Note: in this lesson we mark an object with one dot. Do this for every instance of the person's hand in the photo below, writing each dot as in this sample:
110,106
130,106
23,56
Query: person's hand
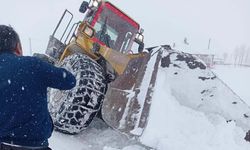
109,78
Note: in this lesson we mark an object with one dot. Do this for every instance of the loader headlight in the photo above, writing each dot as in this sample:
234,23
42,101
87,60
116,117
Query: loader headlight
89,31
95,3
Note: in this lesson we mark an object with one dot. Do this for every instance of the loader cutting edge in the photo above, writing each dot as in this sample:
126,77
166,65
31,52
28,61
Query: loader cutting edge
127,104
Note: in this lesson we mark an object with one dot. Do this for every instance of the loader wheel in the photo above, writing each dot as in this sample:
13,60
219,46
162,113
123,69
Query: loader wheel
73,110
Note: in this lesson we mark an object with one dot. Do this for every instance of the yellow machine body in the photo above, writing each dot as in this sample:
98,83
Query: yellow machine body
84,44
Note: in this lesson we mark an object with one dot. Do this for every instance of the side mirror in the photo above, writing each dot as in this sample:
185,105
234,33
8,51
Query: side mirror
139,40
84,6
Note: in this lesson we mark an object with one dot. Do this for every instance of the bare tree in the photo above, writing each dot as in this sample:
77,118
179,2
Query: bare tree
242,54
236,55
225,56
247,61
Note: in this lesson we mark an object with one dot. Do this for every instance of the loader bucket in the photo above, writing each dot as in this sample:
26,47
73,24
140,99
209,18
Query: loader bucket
128,99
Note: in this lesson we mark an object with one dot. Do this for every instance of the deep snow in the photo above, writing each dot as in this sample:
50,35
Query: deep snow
182,119
237,78
172,125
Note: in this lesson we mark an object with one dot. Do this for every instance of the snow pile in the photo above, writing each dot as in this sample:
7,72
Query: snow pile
193,109
197,87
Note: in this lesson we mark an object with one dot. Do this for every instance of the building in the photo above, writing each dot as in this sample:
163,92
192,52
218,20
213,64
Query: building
208,59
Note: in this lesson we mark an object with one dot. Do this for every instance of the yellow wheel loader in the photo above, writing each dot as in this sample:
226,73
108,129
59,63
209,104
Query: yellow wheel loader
114,77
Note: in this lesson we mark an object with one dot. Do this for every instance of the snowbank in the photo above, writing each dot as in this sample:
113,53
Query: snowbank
193,109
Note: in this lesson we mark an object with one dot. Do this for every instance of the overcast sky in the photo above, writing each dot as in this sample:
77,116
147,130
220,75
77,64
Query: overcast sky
226,22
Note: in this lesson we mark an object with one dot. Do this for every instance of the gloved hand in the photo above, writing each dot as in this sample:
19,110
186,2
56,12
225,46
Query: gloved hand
109,78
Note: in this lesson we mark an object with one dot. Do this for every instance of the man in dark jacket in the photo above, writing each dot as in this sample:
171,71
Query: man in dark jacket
25,122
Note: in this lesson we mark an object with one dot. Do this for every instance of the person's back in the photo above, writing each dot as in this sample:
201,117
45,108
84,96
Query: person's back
24,117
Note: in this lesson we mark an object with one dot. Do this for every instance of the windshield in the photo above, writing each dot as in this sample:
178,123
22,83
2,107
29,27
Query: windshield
115,31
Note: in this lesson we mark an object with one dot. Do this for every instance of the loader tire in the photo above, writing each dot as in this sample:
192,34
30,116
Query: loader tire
73,110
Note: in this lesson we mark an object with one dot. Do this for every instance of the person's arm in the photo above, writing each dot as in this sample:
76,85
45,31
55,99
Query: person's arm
55,77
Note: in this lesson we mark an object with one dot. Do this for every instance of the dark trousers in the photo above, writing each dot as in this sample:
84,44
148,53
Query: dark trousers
10,147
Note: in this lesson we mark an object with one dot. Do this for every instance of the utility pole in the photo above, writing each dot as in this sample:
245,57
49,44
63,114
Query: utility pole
30,46
209,42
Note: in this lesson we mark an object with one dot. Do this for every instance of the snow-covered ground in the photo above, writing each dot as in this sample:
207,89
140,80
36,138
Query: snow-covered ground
172,125
97,137
236,77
